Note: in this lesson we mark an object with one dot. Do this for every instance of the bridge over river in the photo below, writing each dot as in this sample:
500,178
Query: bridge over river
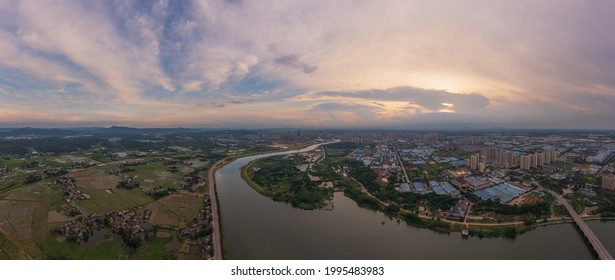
593,240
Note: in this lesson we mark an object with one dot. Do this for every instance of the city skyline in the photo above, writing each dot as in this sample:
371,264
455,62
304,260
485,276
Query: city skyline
346,64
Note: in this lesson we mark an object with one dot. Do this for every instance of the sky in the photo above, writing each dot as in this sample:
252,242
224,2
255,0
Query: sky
326,64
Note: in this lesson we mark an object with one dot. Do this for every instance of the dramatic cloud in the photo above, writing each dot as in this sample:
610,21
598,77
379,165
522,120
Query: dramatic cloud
293,61
347,63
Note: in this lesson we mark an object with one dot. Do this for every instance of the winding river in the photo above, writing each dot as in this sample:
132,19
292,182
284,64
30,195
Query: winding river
256,227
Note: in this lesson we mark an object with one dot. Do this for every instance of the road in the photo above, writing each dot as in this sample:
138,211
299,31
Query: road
214,209
401,164
465,219
602,252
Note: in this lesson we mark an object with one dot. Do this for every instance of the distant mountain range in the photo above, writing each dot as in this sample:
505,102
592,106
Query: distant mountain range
114,130
122,130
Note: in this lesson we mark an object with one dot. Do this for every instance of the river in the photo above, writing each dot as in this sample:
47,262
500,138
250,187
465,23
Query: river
256,227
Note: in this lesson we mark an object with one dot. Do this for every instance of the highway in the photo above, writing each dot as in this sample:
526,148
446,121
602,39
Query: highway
602,252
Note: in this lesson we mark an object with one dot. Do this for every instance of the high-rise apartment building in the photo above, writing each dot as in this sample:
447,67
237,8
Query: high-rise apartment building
524,162
541,159
474,162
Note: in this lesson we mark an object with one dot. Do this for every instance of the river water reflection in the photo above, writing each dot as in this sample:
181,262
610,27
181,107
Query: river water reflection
256,227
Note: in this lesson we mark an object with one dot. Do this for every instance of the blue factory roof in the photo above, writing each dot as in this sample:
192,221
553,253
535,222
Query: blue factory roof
448,187
438,190
505,192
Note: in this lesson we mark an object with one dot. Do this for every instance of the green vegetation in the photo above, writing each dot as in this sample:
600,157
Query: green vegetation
11,163
259,149
161,192
54,248
362,199
605,200
560,210
127,184
280,179
433,224
539,209
577,202
345,147
31,178
552,185
497,231
154,250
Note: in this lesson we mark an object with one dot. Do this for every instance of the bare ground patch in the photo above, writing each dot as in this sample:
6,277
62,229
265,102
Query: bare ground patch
56,217
162,216
97,182
186,205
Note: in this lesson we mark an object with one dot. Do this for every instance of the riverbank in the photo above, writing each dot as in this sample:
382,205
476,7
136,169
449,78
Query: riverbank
246,177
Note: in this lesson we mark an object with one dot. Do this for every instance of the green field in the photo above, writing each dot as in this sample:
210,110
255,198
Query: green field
12,163
154,250
52,162
99,157
155,174
49,161
100,200
104,250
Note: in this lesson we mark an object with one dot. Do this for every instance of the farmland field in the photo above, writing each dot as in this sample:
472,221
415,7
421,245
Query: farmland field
155,174
55,248
10,251
101,200
97,182
185,205
31,213
162,215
